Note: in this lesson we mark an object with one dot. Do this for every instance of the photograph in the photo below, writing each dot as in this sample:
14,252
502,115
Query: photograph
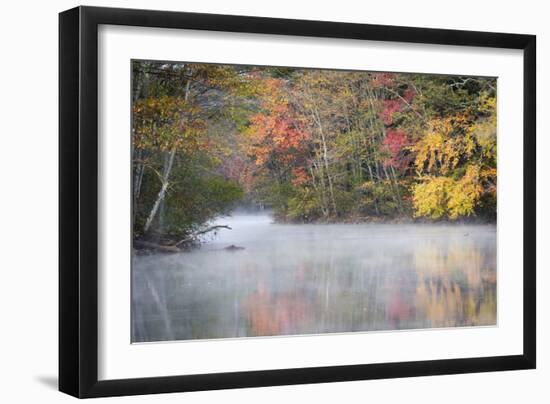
275,201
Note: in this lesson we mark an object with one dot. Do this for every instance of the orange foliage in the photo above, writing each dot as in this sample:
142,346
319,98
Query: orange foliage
278,132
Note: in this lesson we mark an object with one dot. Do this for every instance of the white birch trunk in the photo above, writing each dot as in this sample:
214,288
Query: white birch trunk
162,192
165,176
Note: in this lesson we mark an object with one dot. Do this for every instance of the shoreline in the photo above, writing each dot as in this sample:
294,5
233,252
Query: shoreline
383,220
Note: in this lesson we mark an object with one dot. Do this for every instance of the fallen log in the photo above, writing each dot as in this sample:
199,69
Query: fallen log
155,246
194,236
233,247
170,246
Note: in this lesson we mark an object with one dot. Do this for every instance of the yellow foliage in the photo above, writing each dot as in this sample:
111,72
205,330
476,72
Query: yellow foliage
429,151
487,104
166,122
439,196
464,195
440,150
485,129
485,132
430,197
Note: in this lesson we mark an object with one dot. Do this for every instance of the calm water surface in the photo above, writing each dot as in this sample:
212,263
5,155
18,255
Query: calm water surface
316,278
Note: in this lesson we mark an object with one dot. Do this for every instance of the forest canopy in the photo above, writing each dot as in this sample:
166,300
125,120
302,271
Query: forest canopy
312,145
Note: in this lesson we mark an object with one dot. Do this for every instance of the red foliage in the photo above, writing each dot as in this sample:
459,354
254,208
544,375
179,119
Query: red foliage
279,134
389,108
395,141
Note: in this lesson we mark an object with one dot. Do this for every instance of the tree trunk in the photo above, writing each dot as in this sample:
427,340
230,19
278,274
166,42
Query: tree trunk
325,161
397,188
317,190
165,176
162,192
395,191
138,176
162,208
374,196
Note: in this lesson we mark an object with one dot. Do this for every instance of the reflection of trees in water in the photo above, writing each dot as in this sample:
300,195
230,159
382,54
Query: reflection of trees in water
434,285
386,283
456,286
319,297
268,313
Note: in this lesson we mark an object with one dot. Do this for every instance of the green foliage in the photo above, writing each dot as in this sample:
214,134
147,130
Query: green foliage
275,195
199,195
376,199
204,199
304,205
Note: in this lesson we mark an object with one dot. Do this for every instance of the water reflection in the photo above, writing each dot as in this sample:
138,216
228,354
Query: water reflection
310,279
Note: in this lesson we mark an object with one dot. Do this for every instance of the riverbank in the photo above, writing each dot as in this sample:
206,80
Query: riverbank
175,244
387,220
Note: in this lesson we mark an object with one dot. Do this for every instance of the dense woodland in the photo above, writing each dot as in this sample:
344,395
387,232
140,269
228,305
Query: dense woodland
312,145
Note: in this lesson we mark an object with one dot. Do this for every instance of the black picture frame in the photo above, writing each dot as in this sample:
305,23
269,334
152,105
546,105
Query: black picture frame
78,201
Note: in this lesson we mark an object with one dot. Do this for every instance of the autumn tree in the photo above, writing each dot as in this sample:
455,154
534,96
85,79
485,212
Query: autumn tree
175,154
311,144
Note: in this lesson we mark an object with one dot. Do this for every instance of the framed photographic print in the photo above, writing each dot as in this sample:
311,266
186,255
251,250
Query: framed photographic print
250,201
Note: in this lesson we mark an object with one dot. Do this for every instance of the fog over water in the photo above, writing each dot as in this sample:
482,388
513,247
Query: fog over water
290,279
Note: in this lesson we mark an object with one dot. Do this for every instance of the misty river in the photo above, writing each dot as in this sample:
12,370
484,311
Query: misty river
293,279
